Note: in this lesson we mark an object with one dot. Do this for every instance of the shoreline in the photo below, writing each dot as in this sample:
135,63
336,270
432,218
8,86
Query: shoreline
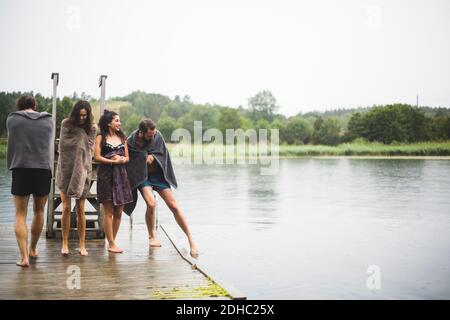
424,150
405,157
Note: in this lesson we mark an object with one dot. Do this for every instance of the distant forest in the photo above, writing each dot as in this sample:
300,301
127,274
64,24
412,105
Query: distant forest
389,124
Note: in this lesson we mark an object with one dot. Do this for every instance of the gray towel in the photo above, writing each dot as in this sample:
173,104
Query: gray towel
137,167
29,140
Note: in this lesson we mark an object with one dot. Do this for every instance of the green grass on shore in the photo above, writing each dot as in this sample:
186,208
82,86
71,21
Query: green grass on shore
346,149
369,149
359,149
2,150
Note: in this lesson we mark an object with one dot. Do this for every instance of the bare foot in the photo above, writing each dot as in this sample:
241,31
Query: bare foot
115,249
154,242
83,252
33,253
194,251
65,250
23,263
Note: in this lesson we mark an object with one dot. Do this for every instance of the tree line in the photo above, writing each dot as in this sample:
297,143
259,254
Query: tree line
394,123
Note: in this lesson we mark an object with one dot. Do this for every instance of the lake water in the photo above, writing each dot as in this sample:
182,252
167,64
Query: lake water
313,230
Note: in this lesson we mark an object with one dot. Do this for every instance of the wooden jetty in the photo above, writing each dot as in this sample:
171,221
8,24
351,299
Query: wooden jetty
141,272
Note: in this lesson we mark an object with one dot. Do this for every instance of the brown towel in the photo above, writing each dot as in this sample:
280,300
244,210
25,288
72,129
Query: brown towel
73,172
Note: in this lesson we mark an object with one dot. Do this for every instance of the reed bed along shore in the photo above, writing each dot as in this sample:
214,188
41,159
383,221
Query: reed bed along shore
422,149
367,149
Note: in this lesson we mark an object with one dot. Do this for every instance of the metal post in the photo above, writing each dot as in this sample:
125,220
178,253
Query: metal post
156,212
55,77
51,199
102,85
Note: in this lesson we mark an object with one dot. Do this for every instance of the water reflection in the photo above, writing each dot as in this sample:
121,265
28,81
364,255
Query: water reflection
262,192
321,221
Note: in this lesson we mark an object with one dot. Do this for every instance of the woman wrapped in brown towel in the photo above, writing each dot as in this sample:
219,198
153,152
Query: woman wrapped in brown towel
73,173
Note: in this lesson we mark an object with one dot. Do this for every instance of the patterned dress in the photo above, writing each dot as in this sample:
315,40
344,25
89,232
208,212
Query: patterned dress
112,179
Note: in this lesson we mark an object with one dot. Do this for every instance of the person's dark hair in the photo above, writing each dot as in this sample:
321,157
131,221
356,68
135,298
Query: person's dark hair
74,117
106,119
26,102
146,124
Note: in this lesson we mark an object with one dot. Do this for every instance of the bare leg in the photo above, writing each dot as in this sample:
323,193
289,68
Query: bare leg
65,223
37,224
81,226
108,225
21,204
117,219
169,199
150,215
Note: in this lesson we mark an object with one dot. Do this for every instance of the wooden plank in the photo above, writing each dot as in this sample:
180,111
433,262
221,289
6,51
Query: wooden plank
140,272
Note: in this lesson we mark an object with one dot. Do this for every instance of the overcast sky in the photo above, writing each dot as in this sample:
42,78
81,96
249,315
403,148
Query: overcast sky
313,55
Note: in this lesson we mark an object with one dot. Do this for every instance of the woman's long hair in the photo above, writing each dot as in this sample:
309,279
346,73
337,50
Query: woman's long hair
106,119
74,117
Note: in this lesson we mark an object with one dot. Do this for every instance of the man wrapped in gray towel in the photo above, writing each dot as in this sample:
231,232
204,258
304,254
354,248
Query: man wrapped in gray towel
150,168
28,158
